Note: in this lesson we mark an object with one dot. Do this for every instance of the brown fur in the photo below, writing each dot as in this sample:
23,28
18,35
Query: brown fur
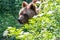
27,11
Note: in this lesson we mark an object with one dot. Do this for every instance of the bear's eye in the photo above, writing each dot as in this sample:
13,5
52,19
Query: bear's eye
26,16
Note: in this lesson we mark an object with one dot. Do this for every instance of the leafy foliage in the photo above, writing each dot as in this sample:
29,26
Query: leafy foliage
9,14
44,26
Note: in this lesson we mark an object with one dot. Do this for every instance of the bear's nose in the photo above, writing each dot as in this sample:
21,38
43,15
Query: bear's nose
20,21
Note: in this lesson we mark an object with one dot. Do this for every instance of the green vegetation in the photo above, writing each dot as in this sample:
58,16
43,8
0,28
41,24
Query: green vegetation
9,14
45,26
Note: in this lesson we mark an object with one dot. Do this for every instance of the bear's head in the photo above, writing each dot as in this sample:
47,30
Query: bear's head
27,11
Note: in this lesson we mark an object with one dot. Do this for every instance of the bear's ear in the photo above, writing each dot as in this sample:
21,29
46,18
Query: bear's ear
32,7
24,4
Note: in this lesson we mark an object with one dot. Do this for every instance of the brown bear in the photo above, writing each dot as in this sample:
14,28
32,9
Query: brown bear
27,11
